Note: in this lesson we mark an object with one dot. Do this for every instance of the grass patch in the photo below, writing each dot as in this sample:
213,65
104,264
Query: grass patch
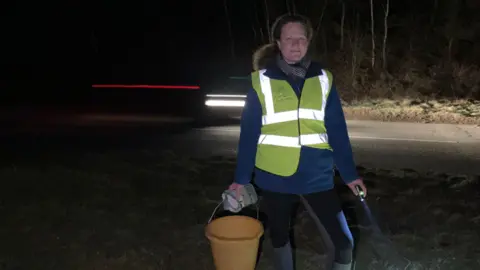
145,210
415,110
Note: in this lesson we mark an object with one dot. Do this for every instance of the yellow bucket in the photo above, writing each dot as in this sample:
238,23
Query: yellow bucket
234,241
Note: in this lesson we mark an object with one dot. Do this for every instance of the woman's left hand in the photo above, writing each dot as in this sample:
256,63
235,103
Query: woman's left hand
353,186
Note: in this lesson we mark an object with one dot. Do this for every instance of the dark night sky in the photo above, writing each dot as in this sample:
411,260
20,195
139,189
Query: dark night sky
181,38
126,41
54,46
138,42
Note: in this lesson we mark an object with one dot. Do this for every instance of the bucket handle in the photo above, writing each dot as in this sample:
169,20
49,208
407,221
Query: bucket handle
219,204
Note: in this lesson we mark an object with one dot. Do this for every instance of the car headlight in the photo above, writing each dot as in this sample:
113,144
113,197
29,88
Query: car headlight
220,100
224,103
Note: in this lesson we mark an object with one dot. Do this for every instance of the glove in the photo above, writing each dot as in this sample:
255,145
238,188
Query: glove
235,200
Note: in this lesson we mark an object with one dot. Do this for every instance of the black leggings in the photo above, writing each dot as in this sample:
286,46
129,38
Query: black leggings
325,205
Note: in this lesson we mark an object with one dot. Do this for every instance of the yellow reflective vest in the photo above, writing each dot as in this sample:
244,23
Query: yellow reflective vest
289,123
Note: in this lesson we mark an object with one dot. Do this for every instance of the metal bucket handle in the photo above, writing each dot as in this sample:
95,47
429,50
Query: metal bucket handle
219,204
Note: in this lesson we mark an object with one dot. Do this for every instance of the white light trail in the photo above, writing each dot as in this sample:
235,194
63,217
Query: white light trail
227,96
224,103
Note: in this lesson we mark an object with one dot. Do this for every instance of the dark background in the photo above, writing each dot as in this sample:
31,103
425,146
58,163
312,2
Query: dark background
52,52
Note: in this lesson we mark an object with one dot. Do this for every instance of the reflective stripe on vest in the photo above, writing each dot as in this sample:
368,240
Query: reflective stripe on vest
271,117
285,141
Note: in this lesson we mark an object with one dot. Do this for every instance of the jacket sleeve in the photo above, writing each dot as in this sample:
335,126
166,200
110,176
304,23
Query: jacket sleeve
250,127
338,138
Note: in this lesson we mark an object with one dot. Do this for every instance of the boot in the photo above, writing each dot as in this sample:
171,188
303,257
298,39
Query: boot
283,257
339,266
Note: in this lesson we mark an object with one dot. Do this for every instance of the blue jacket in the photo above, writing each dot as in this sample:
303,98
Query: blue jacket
315,170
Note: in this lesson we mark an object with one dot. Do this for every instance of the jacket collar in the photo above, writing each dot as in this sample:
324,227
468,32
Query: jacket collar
274,72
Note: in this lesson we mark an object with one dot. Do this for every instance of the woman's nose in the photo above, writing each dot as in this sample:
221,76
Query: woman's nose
295,42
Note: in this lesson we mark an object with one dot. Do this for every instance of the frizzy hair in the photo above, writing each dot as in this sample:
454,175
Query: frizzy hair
267,53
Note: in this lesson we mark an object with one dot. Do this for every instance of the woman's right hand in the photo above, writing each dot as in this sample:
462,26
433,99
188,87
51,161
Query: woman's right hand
236,187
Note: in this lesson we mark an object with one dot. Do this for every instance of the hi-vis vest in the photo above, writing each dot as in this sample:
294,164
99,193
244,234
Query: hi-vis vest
289,123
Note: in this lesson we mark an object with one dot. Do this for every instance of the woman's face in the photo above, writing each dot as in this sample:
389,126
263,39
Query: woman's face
293,43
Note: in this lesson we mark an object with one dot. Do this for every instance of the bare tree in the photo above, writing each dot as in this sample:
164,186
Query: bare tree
451,29
321,18
257,22
230,32
434,12
372,25
356,41
287,4
267,19
385,35
325,42
254,33
262,34
342,26
412,24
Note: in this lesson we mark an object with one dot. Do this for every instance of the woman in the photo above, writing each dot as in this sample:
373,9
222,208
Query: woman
293,133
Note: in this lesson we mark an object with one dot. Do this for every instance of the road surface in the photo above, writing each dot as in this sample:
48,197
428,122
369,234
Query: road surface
453,149
423,147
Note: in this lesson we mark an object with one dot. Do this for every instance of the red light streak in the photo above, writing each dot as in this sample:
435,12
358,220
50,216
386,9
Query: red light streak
145,86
